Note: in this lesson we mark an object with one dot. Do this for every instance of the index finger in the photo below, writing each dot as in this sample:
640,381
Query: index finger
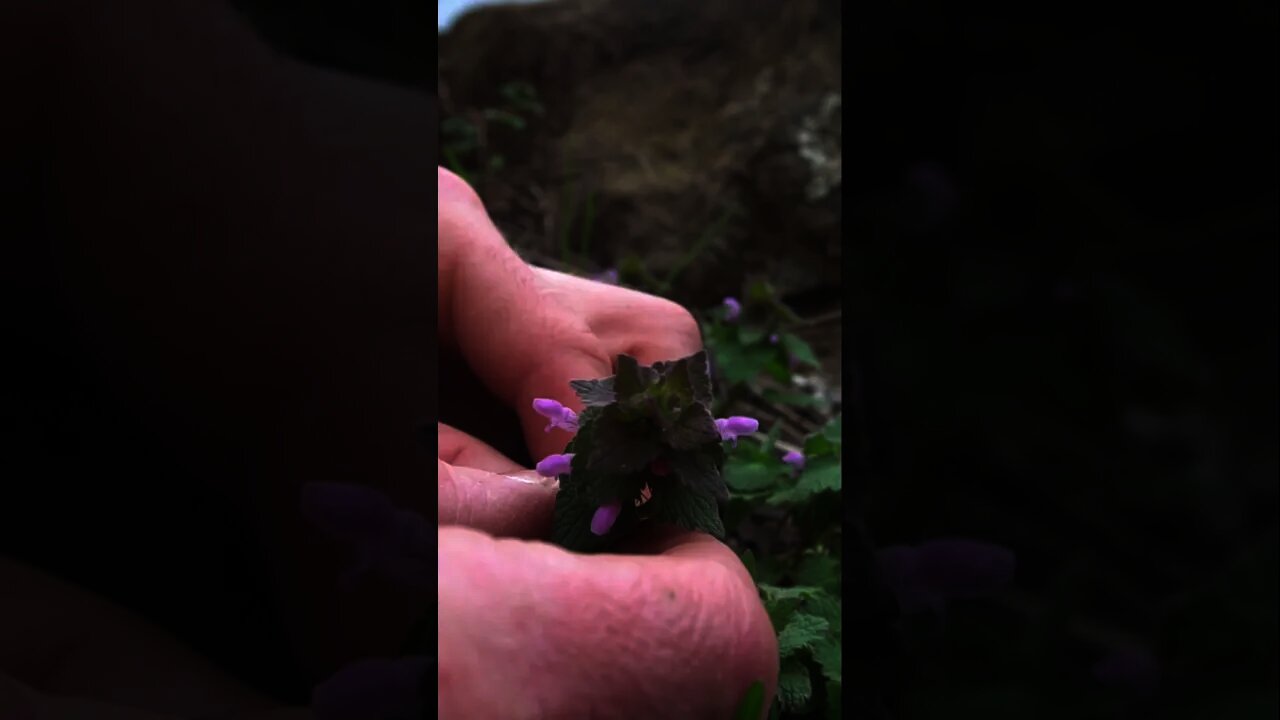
521,346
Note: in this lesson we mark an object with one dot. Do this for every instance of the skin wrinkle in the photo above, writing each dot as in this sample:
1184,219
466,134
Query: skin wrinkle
612,625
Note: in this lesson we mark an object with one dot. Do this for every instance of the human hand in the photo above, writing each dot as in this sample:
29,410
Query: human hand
673,627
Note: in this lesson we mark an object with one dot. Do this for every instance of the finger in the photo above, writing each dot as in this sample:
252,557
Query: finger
646,327
678,635
487,292
512,504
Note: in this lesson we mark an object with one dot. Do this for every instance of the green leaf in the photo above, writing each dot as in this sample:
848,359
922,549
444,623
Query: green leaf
789,496
748,335
618,446
694,427
682,506
826,606
832,431
737,364
595,393
801,633
826,652
819,570
799,349
571,526
700,471
773,593
749,476
794,686
752,704
822,474
632,378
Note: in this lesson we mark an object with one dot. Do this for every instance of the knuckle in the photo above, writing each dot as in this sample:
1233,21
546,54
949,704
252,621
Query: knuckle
453,189
681,324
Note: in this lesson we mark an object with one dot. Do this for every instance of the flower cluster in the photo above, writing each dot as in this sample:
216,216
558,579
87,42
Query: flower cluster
558,464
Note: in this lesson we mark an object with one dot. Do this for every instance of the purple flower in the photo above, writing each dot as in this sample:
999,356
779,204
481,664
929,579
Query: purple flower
559,415
605,517
555,465
773,339
732,309
608,277
794,459
732,428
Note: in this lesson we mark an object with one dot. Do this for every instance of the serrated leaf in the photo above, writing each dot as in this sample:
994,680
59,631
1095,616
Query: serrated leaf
748,476
571,524
819,570
800,633
773,593
631,377
827,653
794,686
680,505
781,603
618,446
700,471
799,349
692,428
688,379
595,393
752,704
822,474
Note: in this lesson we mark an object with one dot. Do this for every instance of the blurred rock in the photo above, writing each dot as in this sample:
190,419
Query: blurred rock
713,125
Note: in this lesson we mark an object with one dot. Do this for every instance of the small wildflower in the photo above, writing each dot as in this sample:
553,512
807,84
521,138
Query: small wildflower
773,339
732,428
794,459
605,517
608,277
559,415
555,465
732,309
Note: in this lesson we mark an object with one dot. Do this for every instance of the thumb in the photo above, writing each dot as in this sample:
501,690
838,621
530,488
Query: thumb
518,504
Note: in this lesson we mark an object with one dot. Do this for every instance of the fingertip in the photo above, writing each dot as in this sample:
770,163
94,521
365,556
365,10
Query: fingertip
517,504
